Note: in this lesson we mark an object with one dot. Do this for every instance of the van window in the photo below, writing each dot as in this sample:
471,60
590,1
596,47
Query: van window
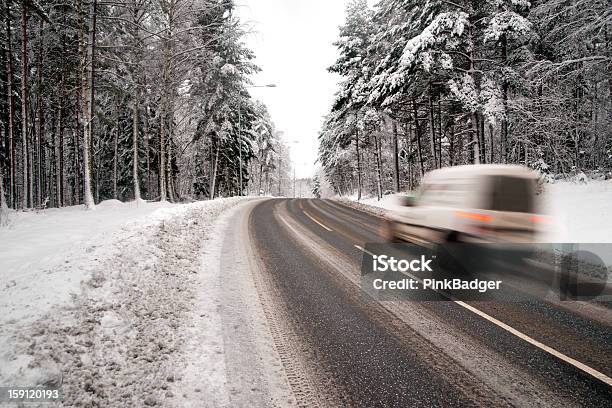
512,194
450,193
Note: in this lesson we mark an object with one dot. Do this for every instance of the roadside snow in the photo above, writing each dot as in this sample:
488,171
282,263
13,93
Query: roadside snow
582,211
368,204
44,255
229,358
386,202
99,302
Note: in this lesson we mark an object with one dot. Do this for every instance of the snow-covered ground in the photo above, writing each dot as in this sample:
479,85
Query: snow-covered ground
44,255
229,357
93,299
582,211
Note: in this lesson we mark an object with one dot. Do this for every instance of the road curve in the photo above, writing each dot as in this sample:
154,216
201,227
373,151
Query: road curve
357,352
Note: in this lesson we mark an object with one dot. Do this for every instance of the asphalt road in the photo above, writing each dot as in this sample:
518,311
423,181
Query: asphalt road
353,351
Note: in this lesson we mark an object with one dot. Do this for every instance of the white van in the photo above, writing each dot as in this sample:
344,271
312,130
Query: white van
474,203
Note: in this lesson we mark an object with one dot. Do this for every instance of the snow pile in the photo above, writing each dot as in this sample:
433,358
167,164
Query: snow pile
113,344
369,204
372,204
44,255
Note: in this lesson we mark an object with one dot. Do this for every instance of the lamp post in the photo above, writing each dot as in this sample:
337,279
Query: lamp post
240,135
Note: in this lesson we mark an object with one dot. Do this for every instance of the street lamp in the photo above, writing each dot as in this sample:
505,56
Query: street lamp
240,134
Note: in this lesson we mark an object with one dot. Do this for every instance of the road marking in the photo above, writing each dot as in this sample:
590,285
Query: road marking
581,366
364,250
599,375
312,218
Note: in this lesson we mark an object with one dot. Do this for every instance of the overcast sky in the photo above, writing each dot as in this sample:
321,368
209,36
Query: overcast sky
293,43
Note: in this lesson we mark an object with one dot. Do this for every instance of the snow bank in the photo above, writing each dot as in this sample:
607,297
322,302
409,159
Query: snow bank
386,202
582,211
44,255
97,307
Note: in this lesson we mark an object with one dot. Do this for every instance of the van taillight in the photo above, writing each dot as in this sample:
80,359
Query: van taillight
536,219
473,216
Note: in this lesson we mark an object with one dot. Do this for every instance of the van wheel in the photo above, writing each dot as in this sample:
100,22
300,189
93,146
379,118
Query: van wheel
387,232
451,256
453,237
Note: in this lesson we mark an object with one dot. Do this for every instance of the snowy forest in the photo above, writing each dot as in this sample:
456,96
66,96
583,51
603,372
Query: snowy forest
130,99
428,84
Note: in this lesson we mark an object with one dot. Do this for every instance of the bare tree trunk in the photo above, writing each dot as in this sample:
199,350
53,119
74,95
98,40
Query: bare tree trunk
116,151
482,136
418,136
24,103
146,139
53,180
76,172
59,143
475,159
358,165
251,182
88,103
408,137
135,151
504,121
162,154
170,177
280,165
491,158
77,145
432,127
214,175
11,110
40,118
475,139
396,158
260,176
451,148
166,109
378,167
440,134
136,96
3,206
97,163
59,157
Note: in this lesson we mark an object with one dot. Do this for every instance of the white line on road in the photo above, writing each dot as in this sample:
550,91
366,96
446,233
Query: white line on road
312,218
597,374
364,250
581,366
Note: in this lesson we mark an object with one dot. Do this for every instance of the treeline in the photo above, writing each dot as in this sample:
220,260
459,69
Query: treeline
128,99
428,84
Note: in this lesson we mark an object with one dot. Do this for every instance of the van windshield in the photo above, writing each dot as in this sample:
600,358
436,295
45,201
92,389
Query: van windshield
512,194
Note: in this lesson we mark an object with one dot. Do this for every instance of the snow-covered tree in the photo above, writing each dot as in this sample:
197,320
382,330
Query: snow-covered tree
316,187
460,82
126,99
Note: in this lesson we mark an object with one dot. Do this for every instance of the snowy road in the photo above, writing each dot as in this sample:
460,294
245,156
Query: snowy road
346,351
236,302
